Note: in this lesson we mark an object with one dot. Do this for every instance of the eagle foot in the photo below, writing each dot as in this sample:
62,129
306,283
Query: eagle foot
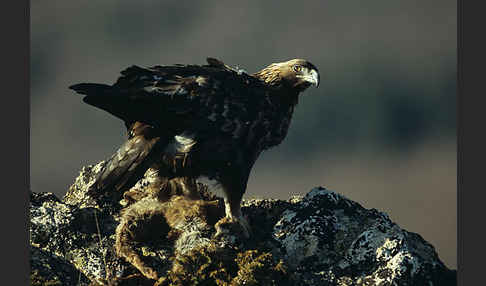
229,226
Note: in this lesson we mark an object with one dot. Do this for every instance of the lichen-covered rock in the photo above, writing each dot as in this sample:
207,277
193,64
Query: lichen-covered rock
77,194
327,238
49,269
83,237
137,238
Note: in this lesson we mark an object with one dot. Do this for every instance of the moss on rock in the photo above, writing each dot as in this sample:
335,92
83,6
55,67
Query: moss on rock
226,267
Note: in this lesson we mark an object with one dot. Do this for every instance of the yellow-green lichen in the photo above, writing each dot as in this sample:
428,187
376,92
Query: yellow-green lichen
256,268
226,267
36,279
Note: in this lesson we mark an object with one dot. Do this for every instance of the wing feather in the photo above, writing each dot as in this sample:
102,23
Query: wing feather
131,160
181,97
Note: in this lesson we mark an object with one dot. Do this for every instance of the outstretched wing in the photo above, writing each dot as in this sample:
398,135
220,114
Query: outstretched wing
181,97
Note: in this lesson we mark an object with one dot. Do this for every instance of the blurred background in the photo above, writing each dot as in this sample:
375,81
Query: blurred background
380,129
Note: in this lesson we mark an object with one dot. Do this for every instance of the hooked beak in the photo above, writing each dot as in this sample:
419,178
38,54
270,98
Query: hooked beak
313,77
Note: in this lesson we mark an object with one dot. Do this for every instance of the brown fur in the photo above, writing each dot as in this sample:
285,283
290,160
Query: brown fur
160,210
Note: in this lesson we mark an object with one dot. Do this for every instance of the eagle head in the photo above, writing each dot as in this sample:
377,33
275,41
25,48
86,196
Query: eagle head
297,74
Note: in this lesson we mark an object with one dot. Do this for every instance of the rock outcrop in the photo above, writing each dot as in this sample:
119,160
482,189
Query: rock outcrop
321,238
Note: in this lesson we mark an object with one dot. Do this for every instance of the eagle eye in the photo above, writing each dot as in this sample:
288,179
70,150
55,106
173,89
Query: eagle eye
297,68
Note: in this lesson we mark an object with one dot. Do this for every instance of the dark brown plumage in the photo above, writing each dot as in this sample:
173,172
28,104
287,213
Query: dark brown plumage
191,121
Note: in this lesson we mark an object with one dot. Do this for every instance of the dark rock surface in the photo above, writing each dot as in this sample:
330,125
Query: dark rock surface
321,238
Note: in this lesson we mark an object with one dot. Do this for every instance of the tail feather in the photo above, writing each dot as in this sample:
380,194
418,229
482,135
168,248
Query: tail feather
91,88
105,97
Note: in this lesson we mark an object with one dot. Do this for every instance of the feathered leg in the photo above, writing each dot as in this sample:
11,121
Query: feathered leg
234,183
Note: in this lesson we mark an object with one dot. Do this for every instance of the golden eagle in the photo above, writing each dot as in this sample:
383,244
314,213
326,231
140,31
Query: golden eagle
196,121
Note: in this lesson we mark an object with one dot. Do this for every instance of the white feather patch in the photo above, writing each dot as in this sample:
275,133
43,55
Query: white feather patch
184,142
